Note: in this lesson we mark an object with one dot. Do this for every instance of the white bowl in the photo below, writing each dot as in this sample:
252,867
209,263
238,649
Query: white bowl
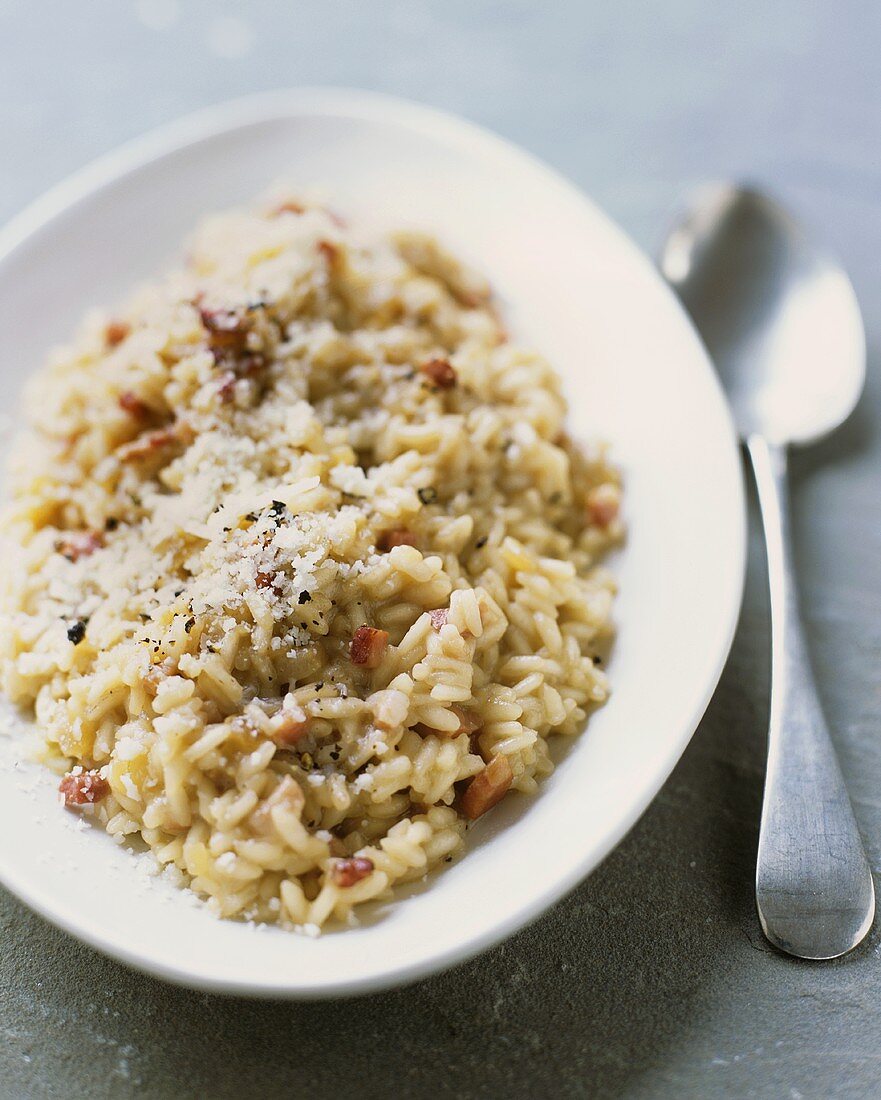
636,374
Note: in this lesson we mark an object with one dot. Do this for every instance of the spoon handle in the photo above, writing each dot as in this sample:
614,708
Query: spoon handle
814,889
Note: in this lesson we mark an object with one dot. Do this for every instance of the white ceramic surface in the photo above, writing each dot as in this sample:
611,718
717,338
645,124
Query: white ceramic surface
635,374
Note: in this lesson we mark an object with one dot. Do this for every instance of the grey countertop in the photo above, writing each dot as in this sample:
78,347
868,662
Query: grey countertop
651,979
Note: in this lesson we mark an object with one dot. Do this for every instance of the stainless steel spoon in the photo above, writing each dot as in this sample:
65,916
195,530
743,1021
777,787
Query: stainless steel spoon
781,322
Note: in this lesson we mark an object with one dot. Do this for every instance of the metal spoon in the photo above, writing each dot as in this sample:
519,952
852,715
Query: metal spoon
782,324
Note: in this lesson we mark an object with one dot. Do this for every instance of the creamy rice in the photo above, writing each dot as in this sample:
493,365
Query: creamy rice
301,565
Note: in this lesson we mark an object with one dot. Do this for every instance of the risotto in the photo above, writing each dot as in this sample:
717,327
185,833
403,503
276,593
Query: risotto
303,569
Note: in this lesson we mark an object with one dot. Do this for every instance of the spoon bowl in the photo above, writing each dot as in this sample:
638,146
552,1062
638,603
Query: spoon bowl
779,316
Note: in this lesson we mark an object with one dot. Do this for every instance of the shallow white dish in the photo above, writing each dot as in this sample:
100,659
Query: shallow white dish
635,374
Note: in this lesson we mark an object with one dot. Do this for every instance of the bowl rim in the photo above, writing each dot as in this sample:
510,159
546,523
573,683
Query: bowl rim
212,121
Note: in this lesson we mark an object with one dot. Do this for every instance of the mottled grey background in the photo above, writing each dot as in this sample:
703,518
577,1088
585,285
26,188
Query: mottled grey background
652,978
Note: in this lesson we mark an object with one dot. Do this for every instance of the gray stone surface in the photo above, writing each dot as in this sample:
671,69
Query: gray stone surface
652,979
